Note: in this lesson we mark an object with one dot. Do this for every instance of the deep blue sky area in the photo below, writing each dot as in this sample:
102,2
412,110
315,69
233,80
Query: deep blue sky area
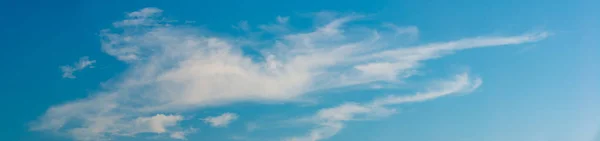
547,90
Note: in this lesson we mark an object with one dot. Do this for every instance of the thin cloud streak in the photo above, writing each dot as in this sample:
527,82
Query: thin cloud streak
83,63
330,121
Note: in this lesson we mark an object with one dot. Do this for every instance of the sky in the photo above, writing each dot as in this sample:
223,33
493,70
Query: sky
307,70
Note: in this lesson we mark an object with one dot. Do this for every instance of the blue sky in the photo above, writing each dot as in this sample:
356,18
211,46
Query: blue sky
300,70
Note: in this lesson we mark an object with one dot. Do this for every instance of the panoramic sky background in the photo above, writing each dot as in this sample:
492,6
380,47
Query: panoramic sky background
304,70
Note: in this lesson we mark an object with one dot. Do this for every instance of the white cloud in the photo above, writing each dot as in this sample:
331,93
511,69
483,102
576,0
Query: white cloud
158,123
222,120
83,63
282,20
280,27
330,121
461,84
142,17
174,69
144,13
411,31
181,135
178,135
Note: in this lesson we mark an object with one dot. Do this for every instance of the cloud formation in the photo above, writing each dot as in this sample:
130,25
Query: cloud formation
83,63
144,17
330,121
178,135
281,25
176,69
157,123
181,135
222,120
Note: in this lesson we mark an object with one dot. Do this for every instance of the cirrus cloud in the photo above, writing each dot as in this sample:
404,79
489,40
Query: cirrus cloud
83,63
329,121
177,69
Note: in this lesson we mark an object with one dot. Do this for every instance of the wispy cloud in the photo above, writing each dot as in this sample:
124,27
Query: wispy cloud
243,26
280,27
181,135
411,31
222,120
143,17
330,121
83,63
178,135
177,69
